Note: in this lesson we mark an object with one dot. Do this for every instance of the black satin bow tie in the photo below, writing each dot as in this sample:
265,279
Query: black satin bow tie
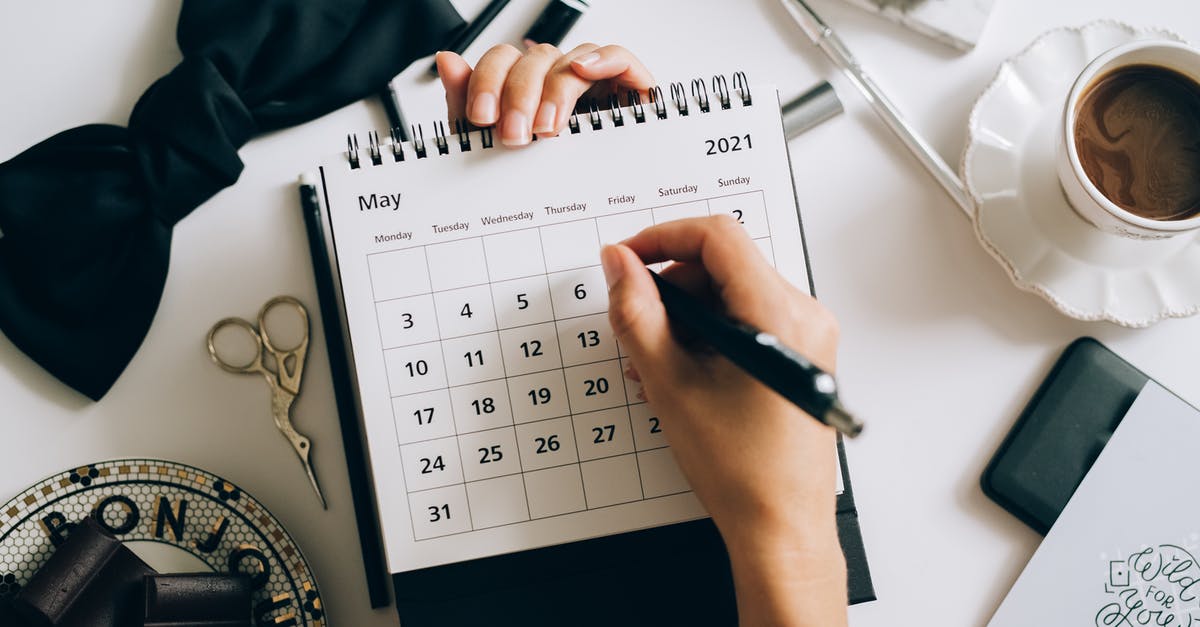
86,215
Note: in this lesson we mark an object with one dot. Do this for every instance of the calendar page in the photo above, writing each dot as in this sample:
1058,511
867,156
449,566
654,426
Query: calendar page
496,412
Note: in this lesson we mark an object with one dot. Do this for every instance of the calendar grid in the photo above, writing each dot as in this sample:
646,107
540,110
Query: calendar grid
458,452
527,228
501,328
563,465
395,423
462,385
562,360
437,325
549,517
767,223
626,405
504,369
432,307
625,392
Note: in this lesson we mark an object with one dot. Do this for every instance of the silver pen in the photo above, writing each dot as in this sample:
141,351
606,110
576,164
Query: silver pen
823,36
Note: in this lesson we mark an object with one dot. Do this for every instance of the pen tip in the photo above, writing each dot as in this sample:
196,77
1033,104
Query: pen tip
840,419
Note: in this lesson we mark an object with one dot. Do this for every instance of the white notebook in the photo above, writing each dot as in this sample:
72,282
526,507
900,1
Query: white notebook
1126,549
497,417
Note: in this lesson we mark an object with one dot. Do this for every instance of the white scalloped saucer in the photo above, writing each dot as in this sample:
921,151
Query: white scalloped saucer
1022,217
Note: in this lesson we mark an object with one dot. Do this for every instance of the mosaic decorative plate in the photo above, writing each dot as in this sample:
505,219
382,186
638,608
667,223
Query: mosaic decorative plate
164,506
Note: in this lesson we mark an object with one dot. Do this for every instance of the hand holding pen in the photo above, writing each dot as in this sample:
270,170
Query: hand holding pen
715,259
763,469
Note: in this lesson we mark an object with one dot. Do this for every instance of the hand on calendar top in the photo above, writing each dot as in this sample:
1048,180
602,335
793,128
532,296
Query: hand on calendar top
763,470
534,91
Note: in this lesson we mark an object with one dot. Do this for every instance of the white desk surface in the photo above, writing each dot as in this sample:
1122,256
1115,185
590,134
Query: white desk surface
939,351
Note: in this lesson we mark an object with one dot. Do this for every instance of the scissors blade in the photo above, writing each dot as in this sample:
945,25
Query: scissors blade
281,407
312,478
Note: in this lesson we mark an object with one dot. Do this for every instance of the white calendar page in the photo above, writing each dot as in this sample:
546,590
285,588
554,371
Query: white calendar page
496,413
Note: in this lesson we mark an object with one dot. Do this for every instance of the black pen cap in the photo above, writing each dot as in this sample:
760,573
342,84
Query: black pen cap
555,22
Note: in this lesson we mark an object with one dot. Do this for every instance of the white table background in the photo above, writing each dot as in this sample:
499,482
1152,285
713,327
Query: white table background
939,351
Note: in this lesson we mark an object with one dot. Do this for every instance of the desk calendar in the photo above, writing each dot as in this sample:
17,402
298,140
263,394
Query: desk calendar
496,413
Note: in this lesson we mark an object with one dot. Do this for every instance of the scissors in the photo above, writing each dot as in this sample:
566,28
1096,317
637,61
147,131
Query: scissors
283,379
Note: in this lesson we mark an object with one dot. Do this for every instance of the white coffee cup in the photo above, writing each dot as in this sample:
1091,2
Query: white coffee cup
1084,196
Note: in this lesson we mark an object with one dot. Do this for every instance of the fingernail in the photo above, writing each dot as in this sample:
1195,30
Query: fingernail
484,110
588,59
641,395
546,117
631,373
560,119
611,262
514,131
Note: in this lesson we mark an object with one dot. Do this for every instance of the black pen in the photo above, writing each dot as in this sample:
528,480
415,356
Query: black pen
464,39
762,356
391,105
555,21
343,391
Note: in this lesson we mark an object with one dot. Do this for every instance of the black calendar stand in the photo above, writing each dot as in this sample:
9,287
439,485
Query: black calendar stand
672,575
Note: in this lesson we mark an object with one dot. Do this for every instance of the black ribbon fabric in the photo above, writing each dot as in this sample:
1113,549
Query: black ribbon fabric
86,215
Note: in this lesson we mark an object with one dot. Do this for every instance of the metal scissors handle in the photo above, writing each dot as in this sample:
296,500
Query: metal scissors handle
284,379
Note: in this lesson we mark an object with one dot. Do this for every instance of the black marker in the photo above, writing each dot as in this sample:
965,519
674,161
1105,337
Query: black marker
464,39
762,356
555,22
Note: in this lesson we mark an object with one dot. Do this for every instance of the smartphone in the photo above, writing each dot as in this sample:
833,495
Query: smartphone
1061,432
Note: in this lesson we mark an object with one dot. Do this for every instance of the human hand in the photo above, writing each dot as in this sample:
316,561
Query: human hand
764,470
534,91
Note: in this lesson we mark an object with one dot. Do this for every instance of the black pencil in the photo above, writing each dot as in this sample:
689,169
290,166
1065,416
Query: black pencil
464,39
347,407
762,356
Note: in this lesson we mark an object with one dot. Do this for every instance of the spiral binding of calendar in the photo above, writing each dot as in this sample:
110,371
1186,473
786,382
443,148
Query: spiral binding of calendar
587,112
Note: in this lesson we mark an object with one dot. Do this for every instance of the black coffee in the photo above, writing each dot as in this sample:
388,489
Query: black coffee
1137,132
